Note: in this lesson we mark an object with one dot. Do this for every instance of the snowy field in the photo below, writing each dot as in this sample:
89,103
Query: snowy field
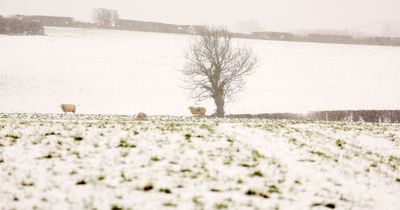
113,162
125,72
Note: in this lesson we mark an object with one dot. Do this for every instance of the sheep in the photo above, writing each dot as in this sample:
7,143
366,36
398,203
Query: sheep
198,111
68,108
141,116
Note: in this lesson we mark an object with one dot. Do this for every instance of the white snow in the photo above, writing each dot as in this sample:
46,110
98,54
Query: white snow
125,72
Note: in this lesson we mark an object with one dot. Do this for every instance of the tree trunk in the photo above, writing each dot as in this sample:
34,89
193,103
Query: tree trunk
219,103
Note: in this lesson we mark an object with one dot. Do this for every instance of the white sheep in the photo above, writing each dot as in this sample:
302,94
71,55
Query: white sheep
198,111
68,108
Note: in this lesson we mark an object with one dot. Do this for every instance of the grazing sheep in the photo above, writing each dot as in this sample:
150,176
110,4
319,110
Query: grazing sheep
198,111
68,108
141,116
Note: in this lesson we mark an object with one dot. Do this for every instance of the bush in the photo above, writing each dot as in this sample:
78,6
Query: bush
15,26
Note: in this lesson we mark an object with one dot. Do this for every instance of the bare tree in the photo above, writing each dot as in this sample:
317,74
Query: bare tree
105,17
215,68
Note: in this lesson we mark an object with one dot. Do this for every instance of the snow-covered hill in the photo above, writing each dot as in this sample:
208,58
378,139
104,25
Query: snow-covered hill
124,72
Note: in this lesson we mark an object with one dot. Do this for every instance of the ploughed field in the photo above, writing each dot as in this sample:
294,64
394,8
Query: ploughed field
51,161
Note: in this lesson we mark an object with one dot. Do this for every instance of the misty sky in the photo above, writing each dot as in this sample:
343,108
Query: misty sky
269,14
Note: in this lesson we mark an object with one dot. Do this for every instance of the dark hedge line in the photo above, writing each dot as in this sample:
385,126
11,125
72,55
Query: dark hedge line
275,116
388,116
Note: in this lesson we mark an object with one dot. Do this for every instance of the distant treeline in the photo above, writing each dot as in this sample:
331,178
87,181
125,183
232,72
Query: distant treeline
154,27
16,26
327,38
121,24
134,25
388,116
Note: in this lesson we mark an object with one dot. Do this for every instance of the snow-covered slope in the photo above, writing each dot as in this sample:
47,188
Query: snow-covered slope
107,71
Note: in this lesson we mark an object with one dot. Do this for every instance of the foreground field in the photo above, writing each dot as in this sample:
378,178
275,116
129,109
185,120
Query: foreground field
114,162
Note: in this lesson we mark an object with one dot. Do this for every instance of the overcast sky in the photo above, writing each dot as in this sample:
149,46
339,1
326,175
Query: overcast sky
269,14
